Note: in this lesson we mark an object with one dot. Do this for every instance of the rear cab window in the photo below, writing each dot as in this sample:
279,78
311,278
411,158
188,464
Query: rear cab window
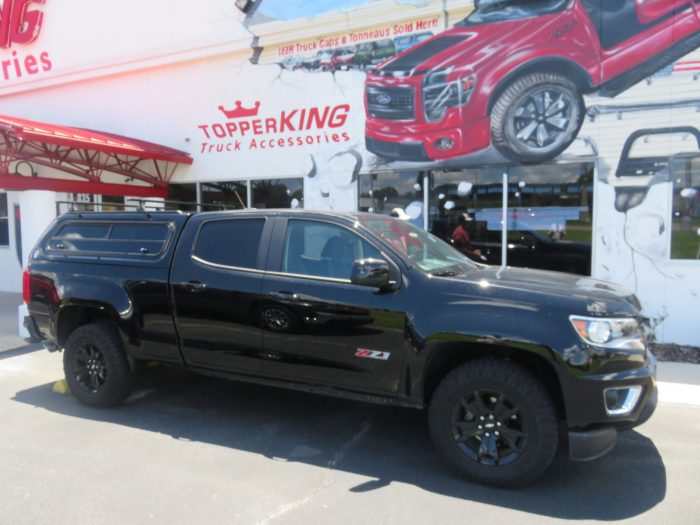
110,238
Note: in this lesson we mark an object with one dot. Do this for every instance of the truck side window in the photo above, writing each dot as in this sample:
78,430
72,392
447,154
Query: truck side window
230,242
323,250
110,238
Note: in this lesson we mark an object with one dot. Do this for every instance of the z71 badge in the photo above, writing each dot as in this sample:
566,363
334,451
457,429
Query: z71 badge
372,354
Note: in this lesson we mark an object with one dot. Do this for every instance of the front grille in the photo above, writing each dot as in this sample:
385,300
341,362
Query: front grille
391,103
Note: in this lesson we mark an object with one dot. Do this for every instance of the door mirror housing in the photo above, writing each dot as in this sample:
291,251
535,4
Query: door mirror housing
371,272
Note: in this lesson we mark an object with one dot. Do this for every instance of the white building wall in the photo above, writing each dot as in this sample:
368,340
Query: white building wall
11,269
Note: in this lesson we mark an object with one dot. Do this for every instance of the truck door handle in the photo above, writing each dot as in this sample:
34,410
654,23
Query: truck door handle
195,286
284,296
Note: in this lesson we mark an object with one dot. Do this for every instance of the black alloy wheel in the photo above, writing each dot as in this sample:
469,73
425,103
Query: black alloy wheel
89,368
494,422
95,365
488,428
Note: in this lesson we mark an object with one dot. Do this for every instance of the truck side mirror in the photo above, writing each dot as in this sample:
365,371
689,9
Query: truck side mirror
371,272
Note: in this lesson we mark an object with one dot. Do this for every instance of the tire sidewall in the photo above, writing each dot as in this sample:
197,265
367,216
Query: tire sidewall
542,433
104,338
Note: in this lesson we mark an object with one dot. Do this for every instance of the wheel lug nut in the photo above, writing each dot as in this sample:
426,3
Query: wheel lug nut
480,427
481,418
488,435
496,433
490,416
498,424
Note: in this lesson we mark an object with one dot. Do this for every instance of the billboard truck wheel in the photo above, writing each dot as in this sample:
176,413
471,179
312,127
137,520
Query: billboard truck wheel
537,117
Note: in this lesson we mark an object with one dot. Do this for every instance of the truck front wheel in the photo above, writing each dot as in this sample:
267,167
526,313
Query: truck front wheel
96,368
537,117
494,422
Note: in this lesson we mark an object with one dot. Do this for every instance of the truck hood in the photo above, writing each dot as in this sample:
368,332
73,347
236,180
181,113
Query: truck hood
461,47
584,295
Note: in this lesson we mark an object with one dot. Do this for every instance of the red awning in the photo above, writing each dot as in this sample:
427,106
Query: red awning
87,156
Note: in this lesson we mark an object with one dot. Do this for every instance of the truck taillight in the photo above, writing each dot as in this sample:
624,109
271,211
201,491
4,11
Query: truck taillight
25,286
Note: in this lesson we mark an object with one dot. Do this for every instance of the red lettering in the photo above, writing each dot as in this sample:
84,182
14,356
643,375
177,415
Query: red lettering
271,125
218,130
205,129
339,116
31,65
286,121
318,119
45,62
18,23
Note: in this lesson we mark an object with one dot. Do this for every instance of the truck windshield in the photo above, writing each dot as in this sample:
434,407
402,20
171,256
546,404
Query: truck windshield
489,11
429,253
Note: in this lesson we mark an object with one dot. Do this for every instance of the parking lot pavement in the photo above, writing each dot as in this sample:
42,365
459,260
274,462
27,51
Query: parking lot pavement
190,449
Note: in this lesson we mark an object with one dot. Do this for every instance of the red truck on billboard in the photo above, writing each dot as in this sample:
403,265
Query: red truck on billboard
513,73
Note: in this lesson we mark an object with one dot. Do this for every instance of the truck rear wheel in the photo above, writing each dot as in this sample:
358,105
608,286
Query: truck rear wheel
96,368
494,422
537,117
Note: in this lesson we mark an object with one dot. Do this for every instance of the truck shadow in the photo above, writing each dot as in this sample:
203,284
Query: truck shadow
386,444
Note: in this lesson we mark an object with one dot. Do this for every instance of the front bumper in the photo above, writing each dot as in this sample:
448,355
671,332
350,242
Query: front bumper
588,445
417,143
592,429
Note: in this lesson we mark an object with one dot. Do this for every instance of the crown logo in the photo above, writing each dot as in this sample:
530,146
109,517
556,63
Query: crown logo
240,112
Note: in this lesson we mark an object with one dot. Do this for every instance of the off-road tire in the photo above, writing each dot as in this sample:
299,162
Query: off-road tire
100,342
504,132
536,419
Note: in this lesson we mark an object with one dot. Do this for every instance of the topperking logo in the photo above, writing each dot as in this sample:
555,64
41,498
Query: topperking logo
20,24
248,128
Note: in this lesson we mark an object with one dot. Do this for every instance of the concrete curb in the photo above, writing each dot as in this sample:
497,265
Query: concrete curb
679,383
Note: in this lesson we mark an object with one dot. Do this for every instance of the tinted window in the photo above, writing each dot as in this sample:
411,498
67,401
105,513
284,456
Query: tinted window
490,11
146,232
119,238
323,250
84,231
230,242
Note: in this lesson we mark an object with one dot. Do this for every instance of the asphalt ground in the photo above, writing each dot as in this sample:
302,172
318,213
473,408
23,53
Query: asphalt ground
189,449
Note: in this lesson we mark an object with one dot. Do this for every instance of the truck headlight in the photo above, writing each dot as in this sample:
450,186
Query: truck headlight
440,94
622,333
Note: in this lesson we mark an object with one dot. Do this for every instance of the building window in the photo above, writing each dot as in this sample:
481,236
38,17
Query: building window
182,197
391,191
112,203
227,195
549,214
4,224
685,232
278,193
550,210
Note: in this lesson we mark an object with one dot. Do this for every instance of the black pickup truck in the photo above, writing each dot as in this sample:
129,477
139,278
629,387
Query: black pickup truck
509,363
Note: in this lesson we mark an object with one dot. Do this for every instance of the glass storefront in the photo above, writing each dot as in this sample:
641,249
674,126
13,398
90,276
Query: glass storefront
227,195
236,195
549,211
182,197
685,232
278,193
